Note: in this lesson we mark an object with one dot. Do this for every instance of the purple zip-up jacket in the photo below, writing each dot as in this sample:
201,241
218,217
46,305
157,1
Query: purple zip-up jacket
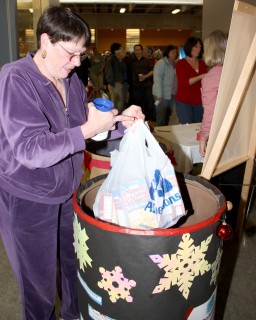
41,142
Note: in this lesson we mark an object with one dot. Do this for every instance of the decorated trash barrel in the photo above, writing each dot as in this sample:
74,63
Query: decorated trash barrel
167,274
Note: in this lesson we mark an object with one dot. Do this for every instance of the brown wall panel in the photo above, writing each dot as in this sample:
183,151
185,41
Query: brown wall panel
164,37
148,38
106,37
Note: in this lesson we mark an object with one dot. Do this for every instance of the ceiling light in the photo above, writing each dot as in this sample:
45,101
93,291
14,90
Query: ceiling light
175,11
122,10
30,10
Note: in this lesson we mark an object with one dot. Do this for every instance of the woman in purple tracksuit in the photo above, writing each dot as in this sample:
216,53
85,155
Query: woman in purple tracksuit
44,123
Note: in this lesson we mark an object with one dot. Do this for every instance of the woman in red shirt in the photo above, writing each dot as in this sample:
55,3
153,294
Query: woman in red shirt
190,71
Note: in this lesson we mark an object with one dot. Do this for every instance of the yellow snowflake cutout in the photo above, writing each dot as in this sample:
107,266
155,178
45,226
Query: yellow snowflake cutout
183,266
216,266
80,238
117,286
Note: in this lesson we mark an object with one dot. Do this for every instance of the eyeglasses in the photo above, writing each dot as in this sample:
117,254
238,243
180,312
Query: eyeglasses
72,55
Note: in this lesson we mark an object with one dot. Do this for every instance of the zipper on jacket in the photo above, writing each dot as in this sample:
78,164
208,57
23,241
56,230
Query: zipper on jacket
66,111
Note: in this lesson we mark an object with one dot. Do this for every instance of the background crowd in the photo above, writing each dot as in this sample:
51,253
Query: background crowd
159,80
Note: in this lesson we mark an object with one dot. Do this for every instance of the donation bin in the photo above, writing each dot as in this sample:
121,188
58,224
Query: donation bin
165,274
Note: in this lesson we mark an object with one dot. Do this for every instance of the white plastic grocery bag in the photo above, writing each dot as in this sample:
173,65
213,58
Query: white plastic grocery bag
141,190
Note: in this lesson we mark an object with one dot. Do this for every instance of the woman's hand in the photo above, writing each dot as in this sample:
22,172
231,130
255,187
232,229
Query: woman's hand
133,113
196,79
202,147
98,121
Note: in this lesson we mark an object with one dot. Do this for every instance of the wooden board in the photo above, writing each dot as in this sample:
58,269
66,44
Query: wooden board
232,139
232,125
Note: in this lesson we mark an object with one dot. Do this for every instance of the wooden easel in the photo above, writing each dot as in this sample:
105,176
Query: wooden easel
232,138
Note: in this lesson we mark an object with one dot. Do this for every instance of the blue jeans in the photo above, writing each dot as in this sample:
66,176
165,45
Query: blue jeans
164,111
188,113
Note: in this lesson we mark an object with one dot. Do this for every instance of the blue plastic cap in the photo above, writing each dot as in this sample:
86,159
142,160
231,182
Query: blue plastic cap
103,104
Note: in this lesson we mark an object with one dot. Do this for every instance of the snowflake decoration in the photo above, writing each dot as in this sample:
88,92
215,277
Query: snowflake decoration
216,266
116,285
183,266
80,238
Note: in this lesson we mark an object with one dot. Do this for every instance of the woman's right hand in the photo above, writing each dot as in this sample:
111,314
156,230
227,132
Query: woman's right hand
196,79
98,121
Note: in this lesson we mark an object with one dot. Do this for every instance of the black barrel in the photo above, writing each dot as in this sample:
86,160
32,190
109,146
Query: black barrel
167,274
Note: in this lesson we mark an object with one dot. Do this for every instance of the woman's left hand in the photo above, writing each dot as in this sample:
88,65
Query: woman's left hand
135,113
202,147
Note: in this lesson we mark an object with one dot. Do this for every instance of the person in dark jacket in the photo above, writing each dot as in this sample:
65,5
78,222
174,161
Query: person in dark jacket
83,70
44,123
115,74
142,80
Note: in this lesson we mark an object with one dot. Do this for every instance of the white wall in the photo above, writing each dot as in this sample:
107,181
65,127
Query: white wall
216,15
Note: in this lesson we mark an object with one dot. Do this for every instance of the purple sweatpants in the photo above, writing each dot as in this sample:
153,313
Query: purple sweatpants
35,236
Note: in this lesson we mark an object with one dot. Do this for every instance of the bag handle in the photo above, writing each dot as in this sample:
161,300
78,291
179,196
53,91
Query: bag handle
153,146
